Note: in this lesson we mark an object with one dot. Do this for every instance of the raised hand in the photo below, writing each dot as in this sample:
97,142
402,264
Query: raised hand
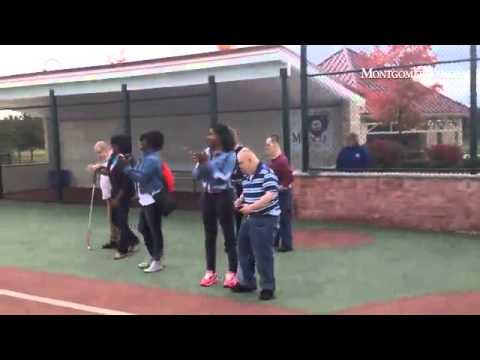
202,157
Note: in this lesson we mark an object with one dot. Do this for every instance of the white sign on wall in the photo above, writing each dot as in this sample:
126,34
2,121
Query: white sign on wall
321,136
321,131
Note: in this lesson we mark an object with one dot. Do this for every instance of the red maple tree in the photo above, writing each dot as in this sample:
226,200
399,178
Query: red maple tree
396,101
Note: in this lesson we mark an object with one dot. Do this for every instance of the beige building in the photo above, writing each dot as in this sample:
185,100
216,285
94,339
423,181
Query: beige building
444,117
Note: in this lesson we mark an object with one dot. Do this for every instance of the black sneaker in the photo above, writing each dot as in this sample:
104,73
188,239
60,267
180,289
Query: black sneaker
242,289
283,250
110,245
266,295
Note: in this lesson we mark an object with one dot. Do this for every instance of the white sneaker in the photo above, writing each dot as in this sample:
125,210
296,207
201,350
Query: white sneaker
154,267
146,263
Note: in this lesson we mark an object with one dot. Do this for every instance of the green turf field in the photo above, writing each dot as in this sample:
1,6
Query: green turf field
50,237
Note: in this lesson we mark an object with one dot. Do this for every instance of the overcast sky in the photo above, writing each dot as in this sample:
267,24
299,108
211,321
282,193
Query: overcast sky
18,59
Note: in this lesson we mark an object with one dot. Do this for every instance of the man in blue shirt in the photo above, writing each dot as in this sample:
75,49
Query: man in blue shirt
214,167
353,157
259,203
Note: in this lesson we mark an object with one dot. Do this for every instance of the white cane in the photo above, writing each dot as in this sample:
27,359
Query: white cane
88,237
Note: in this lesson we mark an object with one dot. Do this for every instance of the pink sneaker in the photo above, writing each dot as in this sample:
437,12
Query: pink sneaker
230,280
209,279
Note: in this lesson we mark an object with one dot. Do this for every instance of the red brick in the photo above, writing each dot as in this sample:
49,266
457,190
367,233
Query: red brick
418,203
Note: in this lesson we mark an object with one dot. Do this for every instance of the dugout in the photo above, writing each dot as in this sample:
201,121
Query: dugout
254,89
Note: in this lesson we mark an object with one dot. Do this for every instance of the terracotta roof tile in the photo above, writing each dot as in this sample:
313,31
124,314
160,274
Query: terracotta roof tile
348,59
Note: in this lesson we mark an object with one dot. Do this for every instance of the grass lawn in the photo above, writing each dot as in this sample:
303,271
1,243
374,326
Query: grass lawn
50,237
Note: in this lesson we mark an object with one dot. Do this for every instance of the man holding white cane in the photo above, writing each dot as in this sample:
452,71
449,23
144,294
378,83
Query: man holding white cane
104,153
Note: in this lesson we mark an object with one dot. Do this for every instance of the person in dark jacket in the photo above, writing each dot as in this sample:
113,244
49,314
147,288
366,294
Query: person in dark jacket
123,190
353,157
237,178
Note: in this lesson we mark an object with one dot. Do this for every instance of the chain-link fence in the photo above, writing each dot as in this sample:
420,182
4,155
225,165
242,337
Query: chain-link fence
412,111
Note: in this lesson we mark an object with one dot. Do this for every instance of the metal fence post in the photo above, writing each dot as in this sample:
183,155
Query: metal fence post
304,108
127,124
213,106
285,112
473,109
1,181
56,144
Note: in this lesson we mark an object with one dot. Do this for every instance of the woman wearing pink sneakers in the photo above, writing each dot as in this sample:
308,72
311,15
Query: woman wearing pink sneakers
214,167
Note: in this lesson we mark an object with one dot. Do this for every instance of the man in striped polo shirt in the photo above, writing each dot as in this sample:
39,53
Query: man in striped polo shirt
259,203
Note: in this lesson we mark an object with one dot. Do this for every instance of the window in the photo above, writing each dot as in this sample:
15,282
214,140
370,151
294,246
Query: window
22,138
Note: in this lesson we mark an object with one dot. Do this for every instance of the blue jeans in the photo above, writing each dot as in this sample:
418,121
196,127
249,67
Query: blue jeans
285,232
255,249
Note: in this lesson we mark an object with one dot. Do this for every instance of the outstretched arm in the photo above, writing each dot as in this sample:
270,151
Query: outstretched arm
149,169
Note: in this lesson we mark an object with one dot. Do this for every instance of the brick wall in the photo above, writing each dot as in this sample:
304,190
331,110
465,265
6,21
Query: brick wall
439,204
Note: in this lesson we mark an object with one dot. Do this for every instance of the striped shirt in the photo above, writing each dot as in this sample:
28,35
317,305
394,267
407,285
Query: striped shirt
256,186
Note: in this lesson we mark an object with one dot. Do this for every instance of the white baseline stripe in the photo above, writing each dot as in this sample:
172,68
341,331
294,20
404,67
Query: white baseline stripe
61,303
